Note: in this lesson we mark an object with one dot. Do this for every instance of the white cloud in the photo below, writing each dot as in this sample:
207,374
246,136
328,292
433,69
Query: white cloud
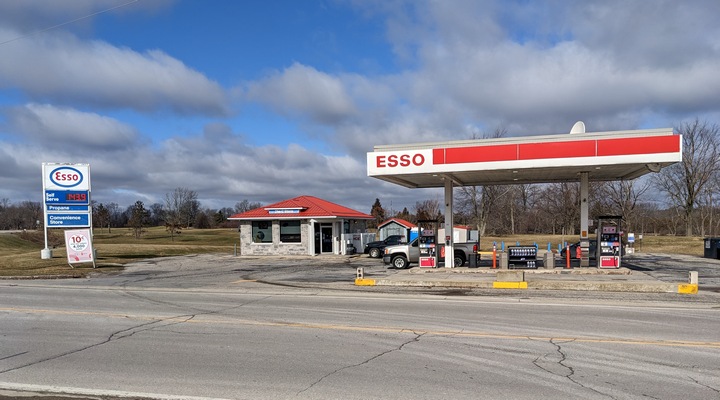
538,67
65,70
216,163
69,128
303,90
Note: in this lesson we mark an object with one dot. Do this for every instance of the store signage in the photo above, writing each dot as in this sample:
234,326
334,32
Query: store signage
60,208
66,176
68,220
66,200
66,204
79,246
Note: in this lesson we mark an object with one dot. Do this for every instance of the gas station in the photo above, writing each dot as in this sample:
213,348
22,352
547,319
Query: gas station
575,157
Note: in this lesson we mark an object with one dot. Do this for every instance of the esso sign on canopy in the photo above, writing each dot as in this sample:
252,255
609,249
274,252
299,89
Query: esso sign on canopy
66,176
391,162
400,160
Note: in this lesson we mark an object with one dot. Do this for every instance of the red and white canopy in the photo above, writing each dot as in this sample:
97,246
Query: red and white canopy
604,156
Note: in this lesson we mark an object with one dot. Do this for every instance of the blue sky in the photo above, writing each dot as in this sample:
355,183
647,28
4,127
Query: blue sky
267,100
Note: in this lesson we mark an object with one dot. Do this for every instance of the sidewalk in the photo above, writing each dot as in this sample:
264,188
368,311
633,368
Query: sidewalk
613,280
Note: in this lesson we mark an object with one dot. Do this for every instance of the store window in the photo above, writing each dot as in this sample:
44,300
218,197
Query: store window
262,232
290,231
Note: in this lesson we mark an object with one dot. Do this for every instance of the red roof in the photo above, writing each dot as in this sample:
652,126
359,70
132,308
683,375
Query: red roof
301,207
400,221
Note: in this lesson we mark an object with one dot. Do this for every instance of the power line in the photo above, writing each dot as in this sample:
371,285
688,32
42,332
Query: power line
68,22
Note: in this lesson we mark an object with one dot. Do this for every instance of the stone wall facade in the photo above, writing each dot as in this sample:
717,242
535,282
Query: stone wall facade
249,248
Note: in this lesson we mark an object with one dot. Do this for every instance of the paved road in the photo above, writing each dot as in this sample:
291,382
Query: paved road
223,327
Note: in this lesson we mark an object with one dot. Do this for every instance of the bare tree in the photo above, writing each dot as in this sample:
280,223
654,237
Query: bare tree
175,211
477,202
684,182
101,216
560,202
138,218
622,197
117,217
157,214
428,210
707,219
246,205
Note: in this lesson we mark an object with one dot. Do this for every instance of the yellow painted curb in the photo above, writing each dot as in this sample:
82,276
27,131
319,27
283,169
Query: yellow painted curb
364,282
510,285
687,288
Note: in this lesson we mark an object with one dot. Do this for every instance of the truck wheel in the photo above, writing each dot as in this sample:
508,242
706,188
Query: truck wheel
400,262
374,253
459,260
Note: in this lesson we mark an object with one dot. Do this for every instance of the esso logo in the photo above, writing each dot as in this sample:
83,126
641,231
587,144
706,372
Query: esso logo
66,177
401,160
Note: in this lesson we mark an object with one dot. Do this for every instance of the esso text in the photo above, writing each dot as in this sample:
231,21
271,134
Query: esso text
402,160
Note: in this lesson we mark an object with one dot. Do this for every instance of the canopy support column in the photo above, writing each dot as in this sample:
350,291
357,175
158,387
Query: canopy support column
584,219
448,239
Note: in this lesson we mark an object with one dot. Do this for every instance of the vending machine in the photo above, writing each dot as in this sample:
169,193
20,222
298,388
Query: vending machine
609,245
428,249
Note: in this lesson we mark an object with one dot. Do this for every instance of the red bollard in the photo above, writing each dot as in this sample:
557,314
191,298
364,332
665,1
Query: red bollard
494,256
567,256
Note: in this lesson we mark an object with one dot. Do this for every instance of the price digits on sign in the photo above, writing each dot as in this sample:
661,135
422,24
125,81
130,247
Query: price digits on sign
76,197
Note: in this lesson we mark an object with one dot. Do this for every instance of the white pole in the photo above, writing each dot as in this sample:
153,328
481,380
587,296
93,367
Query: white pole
449,249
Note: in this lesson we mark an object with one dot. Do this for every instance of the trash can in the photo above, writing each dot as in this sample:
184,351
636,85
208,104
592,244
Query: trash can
712,248
474,260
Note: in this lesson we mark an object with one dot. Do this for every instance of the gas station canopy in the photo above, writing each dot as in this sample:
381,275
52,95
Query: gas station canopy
604,156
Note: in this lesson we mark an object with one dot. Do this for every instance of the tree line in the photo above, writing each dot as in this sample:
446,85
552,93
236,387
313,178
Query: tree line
179,210
679,200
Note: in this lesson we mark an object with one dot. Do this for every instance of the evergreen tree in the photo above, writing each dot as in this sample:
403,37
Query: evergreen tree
378,212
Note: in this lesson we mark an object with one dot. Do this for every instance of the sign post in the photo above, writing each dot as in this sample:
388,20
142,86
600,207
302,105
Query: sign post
66,204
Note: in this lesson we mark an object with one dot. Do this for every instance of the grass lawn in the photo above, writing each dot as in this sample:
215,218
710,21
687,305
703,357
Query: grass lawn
20,252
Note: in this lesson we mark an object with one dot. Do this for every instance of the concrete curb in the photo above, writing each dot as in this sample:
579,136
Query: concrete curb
518,280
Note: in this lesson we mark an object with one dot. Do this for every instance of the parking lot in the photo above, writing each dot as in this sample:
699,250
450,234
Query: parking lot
339,273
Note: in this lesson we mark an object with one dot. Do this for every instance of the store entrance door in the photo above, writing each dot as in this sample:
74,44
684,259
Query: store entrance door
323,238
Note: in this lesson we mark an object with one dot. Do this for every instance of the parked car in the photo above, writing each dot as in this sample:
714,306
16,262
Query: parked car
402,255
375,249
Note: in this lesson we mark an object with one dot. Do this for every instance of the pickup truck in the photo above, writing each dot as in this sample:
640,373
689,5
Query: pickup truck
402,255
375,249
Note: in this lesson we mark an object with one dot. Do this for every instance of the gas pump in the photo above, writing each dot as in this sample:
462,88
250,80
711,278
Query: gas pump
427,248
609,246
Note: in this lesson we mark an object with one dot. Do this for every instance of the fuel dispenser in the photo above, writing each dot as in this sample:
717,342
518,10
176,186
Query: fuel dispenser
609,246
428,249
